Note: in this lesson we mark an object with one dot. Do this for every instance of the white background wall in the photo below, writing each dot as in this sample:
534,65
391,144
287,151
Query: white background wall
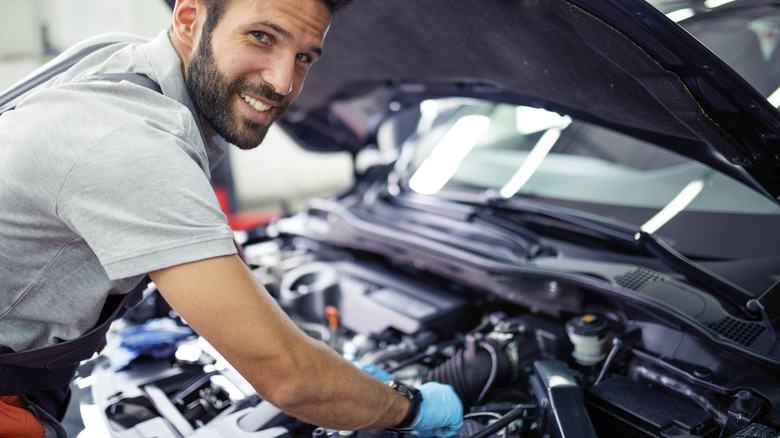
277,172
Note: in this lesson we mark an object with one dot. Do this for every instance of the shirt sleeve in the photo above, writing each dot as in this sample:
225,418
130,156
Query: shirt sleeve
141,199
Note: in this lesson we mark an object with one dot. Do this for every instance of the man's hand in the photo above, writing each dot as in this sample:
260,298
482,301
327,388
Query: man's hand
374,371
441,412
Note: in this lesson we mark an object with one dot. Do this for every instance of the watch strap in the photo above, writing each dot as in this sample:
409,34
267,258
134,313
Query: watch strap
415,399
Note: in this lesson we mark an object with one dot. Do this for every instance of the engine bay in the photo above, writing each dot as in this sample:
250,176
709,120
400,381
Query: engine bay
595,366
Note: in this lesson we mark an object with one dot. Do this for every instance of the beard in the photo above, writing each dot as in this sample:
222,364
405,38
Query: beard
213,95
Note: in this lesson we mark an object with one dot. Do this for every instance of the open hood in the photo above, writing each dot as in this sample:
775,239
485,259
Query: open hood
565,279
621,64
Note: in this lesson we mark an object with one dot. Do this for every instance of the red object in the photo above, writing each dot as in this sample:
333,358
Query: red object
16,421
332,314
243,221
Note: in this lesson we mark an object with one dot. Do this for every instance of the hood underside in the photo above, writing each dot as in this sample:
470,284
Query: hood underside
617,63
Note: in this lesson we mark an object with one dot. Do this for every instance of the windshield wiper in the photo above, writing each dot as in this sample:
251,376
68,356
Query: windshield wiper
629,236
476,229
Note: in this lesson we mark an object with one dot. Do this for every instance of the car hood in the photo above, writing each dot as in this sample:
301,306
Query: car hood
621,64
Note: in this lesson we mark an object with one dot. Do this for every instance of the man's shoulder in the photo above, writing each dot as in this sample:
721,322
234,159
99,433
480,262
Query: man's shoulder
100,106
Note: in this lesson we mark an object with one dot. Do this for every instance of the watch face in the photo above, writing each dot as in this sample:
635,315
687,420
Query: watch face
408,391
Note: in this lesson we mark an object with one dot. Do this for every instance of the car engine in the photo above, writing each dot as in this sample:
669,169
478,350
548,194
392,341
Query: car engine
570,362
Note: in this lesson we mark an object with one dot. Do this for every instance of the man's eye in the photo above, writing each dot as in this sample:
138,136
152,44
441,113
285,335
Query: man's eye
302,57
261,36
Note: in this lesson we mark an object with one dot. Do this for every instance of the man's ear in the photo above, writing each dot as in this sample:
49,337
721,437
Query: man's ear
188,19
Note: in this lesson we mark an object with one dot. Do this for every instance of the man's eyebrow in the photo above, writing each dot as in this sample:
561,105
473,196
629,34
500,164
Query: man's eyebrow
286,34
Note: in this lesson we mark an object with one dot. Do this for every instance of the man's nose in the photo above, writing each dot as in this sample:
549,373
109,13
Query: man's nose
279,74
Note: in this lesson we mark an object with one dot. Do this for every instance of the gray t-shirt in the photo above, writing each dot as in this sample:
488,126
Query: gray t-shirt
100,183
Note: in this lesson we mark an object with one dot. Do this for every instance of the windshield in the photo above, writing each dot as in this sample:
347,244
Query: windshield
468,149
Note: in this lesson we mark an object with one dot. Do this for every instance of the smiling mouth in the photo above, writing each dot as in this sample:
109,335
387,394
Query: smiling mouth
254,103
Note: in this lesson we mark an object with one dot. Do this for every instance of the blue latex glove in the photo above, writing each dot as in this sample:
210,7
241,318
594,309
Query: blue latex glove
374,371
441,411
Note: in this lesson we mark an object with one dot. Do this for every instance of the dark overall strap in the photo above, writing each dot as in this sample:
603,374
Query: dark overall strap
54,366
7,100
136,78
58,66
46,74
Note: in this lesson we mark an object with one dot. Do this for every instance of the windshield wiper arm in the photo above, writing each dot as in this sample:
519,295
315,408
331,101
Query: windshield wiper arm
628,235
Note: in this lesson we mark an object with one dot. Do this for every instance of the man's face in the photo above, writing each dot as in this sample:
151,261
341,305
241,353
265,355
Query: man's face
248,69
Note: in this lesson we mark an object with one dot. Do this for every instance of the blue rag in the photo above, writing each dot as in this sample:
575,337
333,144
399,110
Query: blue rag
156,338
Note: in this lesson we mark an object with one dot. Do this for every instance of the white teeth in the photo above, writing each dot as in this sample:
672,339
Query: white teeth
254,103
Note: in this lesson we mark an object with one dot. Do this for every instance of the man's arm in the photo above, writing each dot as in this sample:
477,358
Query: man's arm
221,300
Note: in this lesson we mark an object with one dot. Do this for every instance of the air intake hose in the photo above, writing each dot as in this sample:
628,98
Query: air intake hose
483,364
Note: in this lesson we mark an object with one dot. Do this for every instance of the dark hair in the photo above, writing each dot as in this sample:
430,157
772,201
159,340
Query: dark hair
335,5
215,9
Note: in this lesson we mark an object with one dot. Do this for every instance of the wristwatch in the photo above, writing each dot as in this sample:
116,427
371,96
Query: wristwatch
415,398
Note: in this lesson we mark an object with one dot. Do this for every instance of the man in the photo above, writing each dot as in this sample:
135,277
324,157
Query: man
106,181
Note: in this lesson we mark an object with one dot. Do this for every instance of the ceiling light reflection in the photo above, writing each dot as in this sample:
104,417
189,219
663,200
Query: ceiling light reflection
530,120
715,3
446,156
680,15
774,98
556,381
531,163
678,204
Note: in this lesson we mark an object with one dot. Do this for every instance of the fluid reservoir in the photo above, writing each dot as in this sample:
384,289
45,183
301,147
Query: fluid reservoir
588,334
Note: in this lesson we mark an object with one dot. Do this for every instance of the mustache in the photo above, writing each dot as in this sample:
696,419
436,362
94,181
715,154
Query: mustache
263,90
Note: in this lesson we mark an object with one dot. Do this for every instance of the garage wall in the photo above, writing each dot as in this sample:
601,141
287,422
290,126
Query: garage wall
33,30
21,44
275,174
70,21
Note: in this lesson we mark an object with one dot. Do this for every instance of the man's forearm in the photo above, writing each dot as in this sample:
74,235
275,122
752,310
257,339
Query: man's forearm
338,395
220,299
